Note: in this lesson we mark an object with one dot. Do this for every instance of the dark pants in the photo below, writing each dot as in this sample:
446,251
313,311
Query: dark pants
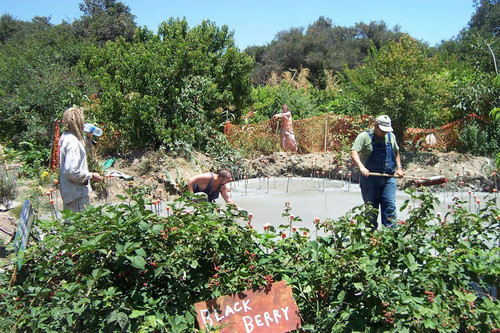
380,191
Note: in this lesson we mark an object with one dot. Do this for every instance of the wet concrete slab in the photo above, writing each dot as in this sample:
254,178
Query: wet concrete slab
312,198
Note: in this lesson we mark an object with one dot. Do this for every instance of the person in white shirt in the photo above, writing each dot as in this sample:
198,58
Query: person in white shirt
74,173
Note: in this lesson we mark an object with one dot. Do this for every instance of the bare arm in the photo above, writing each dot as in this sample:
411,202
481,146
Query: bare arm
357,160
202,181
399,171
224,191
281,115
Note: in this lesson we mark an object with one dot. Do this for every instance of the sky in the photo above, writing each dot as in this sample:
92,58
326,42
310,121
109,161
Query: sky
256,22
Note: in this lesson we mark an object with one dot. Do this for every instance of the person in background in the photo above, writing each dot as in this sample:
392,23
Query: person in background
287,137
376,150
74,174
212,184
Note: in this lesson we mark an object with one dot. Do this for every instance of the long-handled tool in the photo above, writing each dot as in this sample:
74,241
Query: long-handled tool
419,181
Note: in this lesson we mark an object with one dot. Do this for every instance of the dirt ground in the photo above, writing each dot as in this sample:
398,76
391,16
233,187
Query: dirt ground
476,173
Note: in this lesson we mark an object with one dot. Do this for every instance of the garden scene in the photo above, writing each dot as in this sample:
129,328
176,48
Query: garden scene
183,101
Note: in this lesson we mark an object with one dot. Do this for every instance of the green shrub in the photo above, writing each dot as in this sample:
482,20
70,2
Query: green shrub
125,268
480,139
8,188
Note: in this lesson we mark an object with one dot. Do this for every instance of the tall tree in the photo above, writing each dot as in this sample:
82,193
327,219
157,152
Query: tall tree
104,20
323,46
401,81
36,78
172,87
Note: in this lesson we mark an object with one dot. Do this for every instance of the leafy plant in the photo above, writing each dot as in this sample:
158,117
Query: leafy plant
8,188
479,139
402,81
126,268
153,104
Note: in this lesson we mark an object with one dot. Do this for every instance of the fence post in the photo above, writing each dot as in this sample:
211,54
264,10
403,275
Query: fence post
326,132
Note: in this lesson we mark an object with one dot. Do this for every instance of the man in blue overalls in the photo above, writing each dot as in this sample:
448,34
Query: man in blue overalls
376,150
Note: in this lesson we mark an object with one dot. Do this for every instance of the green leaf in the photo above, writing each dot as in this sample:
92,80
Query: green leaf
119,317
137,314
138,261
410,262
429,323
341,296
141,253
120,249
98,273
358,285
193,263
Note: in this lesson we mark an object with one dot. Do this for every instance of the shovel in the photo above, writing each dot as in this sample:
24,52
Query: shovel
419,181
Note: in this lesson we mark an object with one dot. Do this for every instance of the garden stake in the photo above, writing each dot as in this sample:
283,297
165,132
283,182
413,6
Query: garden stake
469,199
348,181
444,192
287,183
268,184
53,210
316,223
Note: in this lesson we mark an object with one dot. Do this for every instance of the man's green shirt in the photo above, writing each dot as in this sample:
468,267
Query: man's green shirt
363,144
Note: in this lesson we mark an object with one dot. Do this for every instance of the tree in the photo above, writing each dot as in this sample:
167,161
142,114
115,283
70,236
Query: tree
479,43
401,81
486,19
170,88
323,46
8,27
104,20
37,82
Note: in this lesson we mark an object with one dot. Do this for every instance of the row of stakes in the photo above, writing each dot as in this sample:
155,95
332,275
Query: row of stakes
347,177
320,175
156,200
156,206
291,229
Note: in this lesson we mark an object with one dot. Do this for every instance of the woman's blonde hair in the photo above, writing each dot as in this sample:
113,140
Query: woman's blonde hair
73,121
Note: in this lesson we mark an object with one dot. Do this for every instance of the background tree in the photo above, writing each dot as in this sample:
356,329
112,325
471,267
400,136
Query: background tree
323,46
104,20
401,81
36,78
173,87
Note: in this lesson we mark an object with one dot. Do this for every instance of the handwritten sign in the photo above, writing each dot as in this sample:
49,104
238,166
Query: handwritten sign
269,309
23,231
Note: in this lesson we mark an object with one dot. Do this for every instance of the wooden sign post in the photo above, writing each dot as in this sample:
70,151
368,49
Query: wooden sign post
22,235
23,231
269,309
